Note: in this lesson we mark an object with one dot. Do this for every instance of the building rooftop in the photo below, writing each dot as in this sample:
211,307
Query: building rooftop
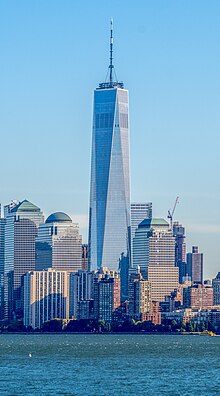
154,222
58,217
25,206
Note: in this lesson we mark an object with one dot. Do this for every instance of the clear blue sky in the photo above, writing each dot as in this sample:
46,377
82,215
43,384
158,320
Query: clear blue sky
54,53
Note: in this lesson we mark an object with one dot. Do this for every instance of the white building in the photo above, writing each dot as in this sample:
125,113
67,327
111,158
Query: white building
46,297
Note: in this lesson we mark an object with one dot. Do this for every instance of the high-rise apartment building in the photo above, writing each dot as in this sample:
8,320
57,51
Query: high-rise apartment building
81,289
139,295
109,212
195,265
216,289
46,297
21,225
108,296
201,296
59,244
153,244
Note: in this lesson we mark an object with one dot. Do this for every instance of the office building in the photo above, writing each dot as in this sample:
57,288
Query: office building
109,211
164,280
21,225
195,265
46,297
59,244
216,289
139,212
153,244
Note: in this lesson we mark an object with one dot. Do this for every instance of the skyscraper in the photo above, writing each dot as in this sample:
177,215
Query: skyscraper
195,265
139,212
153,244
21,225
59,244
109,212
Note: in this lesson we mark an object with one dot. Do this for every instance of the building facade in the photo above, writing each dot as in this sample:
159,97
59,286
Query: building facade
153,244
59,244
164,280
195,265
46,297
21,223
109,211
140,295
216,289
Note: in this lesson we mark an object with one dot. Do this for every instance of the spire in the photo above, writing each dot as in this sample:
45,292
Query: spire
111,67
111,80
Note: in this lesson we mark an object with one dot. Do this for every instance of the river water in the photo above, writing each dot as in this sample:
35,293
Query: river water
78,364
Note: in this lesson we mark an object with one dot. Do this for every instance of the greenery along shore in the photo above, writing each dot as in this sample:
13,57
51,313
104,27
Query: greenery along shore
99,326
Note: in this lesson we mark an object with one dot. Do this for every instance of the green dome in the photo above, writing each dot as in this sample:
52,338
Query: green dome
58,217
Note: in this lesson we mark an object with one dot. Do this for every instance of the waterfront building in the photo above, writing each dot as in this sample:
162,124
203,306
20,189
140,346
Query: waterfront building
216,289
46,297
195,265
201,296
153,244
108,296
109,211
59,244
164,280
124,271
81,289
139,295
21,225
2,258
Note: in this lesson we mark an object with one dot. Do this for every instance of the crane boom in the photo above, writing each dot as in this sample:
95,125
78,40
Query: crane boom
170,214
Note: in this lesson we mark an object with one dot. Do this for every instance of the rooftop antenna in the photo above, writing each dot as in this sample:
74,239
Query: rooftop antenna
111,52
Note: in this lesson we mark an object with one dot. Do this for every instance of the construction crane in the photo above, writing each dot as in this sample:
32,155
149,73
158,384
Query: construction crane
170,214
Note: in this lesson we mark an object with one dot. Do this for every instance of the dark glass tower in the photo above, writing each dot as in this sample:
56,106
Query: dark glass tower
109,214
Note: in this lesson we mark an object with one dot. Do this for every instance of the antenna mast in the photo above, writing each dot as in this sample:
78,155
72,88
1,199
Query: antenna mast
111,52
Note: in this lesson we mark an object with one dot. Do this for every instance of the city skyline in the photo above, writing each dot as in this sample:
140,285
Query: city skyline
179,102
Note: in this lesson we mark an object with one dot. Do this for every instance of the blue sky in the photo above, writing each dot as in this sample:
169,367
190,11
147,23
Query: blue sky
52,56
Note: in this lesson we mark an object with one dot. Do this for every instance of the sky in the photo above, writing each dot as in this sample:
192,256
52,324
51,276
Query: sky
53,54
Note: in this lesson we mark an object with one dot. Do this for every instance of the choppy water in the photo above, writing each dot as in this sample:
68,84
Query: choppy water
109,365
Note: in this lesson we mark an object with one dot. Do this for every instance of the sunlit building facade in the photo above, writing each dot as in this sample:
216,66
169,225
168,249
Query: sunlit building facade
59,244
46,297
109,211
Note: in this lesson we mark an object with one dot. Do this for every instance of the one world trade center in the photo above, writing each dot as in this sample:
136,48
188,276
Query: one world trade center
109,212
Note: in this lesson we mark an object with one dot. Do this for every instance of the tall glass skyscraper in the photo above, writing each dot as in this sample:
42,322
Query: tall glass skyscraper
109,215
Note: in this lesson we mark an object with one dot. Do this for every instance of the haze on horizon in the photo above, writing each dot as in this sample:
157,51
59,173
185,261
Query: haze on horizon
54,54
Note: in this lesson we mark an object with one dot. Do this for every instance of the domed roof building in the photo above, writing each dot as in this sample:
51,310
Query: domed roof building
58,217
59,244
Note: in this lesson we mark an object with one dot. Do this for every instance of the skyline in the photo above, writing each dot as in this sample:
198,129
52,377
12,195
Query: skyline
42,93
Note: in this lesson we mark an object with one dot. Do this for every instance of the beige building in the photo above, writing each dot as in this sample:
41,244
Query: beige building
139,292
46,297
164,280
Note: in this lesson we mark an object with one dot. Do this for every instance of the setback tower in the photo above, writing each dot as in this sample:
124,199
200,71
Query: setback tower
109,212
